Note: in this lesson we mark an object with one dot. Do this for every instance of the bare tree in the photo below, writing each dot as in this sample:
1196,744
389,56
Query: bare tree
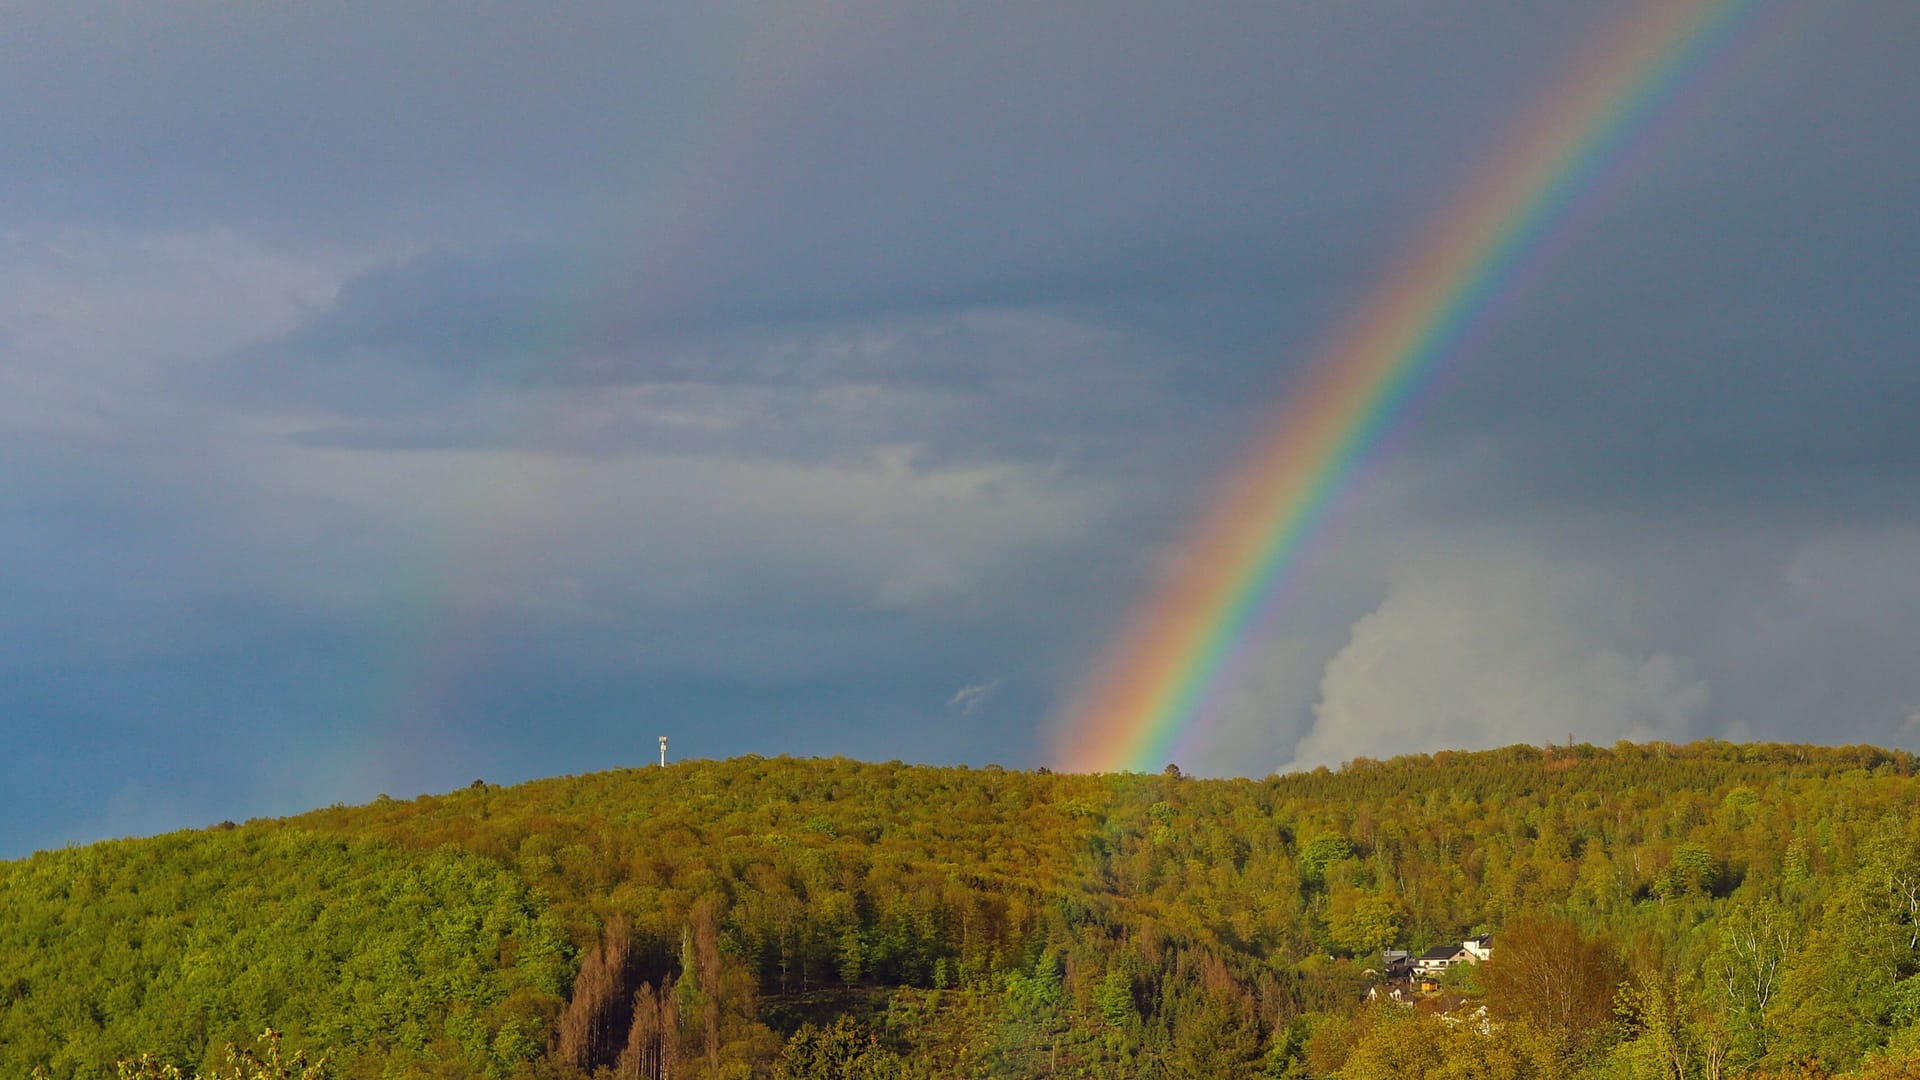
706,948
596,1015
652,1051
1546,973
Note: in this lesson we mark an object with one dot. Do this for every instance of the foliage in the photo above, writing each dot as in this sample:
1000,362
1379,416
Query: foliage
1319,853
846,1050
739,918
1362,924
269,1064
179,945
1400,1043
1550,976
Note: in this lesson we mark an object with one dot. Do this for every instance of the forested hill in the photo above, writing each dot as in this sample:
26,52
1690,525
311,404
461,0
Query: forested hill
1656,911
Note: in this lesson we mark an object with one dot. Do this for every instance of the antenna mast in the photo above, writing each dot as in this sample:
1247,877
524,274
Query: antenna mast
663,751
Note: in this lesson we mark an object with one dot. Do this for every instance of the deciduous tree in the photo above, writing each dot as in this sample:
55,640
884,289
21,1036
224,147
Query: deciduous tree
1546,973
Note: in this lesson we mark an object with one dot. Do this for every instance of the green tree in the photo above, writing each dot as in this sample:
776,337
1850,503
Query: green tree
1755,940
1690,872
1321,851
1213,1037
1396,1042
843,1050
1837,993
1363,924
1113,998
1668,1035
241,1064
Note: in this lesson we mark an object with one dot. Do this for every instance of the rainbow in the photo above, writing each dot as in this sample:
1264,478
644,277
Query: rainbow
507,503
1156,689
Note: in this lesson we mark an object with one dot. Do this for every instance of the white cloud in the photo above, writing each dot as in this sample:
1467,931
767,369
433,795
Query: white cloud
971,696
1264,712
1493,651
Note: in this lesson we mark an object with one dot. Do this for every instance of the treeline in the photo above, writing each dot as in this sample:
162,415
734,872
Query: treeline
177,945
1728,909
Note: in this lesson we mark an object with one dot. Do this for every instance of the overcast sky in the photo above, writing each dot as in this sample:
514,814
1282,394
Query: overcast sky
393,394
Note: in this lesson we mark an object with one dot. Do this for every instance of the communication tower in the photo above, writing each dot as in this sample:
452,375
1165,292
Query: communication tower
663,751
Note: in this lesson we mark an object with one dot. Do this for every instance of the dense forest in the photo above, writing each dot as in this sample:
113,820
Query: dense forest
1657,911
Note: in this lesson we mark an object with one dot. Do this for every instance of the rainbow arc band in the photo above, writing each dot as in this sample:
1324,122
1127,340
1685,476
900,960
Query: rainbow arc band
1157,688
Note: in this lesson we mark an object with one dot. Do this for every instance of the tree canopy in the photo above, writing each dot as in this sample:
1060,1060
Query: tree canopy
1706,910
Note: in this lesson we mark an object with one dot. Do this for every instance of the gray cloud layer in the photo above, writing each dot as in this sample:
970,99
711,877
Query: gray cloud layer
390,396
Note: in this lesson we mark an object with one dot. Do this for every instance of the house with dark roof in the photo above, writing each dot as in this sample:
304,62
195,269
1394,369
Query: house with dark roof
1396,992
1398,964
1440,958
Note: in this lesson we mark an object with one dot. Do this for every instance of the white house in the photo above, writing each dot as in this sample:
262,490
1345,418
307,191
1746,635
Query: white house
1440,958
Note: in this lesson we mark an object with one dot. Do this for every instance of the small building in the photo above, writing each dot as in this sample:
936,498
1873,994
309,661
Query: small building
1398,993
1440,958
1478,948
1398,964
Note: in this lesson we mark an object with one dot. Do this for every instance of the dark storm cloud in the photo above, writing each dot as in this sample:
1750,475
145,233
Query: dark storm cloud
1780,374
869,162
445,352
1736,327
207,111
1216,186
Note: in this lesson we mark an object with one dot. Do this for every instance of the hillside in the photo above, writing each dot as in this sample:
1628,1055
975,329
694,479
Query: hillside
1746,907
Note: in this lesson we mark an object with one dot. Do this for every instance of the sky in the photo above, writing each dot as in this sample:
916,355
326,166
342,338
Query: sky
394,395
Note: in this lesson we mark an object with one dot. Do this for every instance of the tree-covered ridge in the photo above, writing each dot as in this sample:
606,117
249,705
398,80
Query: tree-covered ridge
1750,907
179,944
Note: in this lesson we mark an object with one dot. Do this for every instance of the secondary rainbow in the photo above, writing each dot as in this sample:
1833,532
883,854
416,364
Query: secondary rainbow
452,621
1157,686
